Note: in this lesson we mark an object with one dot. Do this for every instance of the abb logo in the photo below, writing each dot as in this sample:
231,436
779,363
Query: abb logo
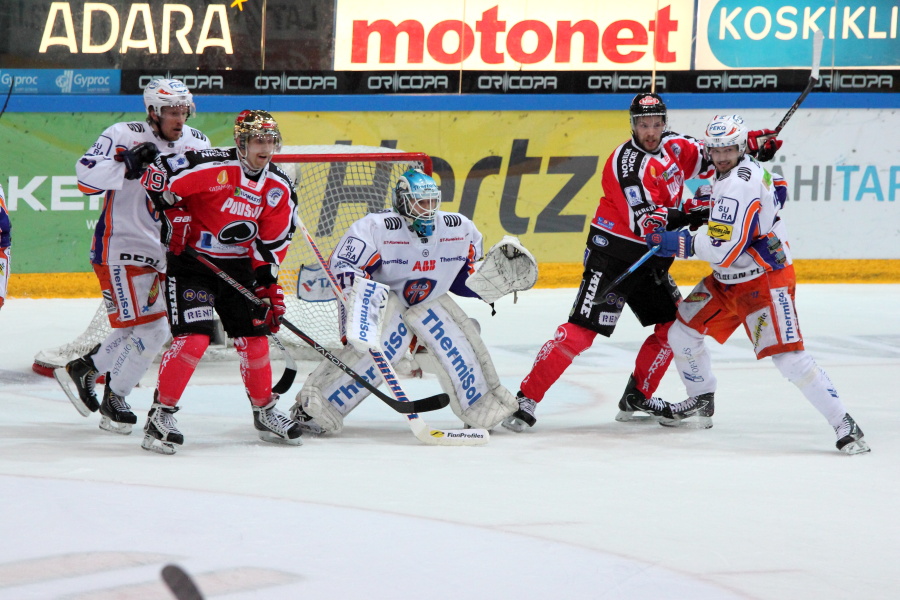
495,41
424,265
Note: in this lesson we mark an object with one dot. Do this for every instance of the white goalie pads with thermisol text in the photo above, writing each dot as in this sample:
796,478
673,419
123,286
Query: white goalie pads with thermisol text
507,267
366,307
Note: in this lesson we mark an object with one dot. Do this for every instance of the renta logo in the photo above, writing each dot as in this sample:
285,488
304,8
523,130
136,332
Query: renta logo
496,37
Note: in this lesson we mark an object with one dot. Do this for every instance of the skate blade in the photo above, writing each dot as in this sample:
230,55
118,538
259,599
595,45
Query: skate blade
160,447
65,382
108,424
857,447
625,416
273,438
688,423
514,424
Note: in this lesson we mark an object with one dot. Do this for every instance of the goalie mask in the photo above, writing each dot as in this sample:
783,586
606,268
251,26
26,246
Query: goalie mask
256,125
417,198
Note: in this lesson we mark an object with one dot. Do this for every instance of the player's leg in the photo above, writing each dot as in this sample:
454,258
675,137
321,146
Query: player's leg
190,298
241,321
465,369
654,300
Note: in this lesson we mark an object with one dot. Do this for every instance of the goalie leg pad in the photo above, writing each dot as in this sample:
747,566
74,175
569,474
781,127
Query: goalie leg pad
330,394
465,371
366,309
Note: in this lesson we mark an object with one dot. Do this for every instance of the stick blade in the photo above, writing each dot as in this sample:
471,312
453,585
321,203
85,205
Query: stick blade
180,583
429,404
818,40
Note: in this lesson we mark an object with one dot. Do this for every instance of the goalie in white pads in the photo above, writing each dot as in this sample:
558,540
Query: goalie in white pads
398,267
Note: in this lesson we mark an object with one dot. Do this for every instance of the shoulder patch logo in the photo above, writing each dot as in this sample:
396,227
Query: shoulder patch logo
452,220
136,127
744,173
393,223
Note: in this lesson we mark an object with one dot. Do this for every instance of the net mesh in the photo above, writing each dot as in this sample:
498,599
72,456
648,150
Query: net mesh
336,185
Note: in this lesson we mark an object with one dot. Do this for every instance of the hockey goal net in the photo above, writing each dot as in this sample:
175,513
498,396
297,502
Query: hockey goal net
336,185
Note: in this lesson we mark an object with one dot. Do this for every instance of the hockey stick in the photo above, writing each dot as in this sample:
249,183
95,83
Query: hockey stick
435,437
290,368
180,583
598,299
424,405
818,37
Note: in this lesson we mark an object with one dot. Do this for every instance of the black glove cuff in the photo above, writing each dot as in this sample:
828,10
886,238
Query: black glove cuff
266,275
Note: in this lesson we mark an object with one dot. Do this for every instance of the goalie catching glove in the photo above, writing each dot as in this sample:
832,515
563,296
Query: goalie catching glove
507,267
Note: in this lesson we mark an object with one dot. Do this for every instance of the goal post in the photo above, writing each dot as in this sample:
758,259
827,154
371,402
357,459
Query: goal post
336,185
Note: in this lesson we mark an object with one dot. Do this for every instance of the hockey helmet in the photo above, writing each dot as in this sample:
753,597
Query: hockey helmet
250,123
647,104
726,130
168,92
417,197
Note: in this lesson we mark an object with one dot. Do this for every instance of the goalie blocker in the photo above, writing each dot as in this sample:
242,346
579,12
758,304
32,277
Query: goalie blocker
464,367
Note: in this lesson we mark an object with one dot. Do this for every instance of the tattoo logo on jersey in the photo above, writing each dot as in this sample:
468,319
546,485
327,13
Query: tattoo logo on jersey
633,195
202,296
698,297
201,313
136,127
744,173
352,250
274,196
153,295
418,290
189,295
671,172
599,240
452,220
425,252
604,223
720,231
222,177
90,164
607,318
238,232
176,162
425,265
393,223
724,210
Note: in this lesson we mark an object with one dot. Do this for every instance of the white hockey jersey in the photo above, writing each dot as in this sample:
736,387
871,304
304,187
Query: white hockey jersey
745,237
127,230
382,247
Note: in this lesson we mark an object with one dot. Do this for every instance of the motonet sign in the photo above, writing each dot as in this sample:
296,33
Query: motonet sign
483,34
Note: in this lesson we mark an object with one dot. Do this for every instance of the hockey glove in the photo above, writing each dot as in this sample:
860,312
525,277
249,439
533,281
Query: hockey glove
136,159
672,243
273,296
762,144
176,229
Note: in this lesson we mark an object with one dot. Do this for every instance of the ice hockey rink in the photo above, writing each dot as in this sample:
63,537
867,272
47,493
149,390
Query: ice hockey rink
761,506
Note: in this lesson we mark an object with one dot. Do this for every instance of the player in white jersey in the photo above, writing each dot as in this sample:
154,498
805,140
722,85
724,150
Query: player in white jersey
5,242
752,284
398,267
126,253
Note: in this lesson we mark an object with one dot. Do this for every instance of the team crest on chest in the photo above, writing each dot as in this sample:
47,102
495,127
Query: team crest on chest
418,290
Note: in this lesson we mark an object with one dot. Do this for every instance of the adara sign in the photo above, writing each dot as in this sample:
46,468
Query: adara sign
487,34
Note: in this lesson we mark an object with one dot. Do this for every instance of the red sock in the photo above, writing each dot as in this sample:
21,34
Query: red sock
653,359
554,358
256,370
178,364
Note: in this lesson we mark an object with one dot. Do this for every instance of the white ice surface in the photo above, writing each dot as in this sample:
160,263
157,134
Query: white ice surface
761,506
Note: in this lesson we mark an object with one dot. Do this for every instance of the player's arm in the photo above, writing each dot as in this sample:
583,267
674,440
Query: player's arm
733,224
111,160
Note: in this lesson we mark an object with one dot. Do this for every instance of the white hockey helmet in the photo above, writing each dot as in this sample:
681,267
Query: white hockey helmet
417,198
726,130
168,92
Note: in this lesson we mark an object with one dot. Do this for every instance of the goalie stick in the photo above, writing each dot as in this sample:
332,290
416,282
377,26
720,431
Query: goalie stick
180,583
426,435
818,37
428,404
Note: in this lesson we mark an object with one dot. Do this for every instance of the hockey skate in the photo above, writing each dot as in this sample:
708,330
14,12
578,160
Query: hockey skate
633,401
160,432
850,437
522,418
307,423
77,380
694,413
116,413
274,426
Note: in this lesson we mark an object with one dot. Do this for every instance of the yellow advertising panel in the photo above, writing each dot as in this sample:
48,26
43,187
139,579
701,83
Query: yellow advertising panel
513,35
536,175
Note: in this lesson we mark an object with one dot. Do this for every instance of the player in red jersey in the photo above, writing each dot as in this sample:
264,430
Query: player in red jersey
236,209
643,182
